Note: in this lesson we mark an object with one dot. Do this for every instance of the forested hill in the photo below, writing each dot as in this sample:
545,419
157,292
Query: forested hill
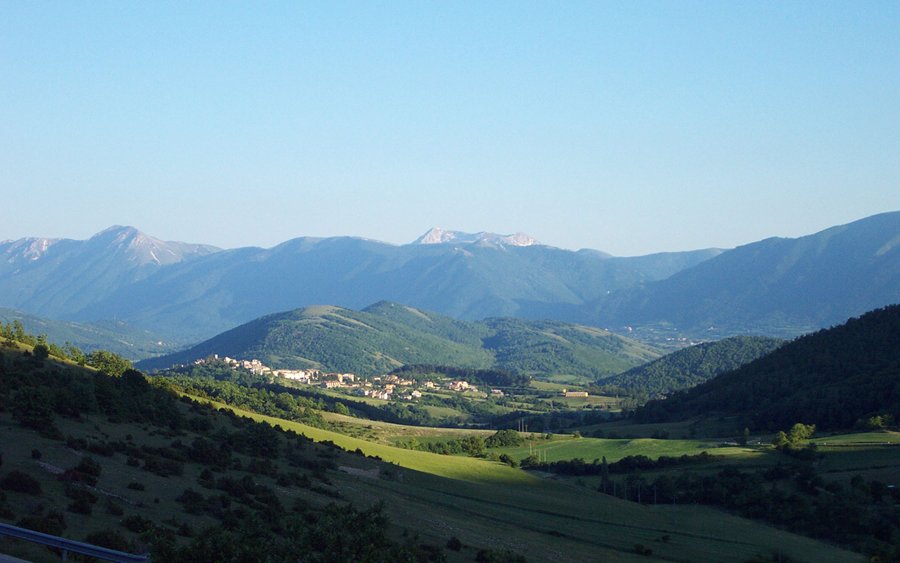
831,378
388,335
692,366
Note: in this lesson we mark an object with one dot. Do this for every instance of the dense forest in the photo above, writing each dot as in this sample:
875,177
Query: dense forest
690,366
832,378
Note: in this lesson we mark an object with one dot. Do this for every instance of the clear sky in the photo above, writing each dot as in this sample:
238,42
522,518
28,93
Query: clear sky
629,127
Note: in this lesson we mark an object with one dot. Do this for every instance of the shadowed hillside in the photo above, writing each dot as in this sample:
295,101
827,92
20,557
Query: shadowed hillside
693,365
831,378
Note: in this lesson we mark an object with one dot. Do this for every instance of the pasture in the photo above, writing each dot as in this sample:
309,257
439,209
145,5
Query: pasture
490,504
565,447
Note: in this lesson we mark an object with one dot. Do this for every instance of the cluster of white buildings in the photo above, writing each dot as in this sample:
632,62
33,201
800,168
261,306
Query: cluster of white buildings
383,387
255,367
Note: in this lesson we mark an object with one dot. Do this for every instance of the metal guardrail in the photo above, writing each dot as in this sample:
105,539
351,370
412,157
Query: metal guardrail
71,545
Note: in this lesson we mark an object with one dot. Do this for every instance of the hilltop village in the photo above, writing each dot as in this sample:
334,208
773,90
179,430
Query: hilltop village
385,387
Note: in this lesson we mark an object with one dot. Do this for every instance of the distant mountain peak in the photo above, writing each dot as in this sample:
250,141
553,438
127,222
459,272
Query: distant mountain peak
118,231
28,249
142,248
438,235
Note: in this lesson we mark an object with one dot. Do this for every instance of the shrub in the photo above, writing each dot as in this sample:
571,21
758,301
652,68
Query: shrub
75,492
454,544
110,539
80,506
21,483
135,486
72,475
54,523
508,460
89,466
114,508
137,524
185,530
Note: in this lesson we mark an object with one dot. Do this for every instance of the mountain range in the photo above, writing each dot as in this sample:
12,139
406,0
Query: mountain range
778,286
185,293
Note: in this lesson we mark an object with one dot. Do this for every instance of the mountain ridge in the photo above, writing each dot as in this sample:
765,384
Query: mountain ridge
186,293
210,290
386,335
808,283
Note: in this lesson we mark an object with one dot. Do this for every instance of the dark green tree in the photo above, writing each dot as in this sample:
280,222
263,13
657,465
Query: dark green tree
108,362
41,352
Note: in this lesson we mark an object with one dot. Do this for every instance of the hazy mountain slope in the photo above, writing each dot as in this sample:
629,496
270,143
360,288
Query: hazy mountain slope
693,365
388,335
118,337
61,278
775,286
830,378
185,293
471,281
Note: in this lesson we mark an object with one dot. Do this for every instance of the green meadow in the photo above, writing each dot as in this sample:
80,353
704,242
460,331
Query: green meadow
490,504
451,467
565,447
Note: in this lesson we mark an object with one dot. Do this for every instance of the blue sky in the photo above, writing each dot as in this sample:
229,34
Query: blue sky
629,127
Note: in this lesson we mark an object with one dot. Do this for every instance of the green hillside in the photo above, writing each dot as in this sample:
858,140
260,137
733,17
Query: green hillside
552,347
832,378
691,366
124,462
387,335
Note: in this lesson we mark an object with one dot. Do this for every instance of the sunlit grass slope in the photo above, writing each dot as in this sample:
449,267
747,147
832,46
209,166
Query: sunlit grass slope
451,467
486,503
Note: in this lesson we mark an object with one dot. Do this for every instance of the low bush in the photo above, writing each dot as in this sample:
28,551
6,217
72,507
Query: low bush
20,482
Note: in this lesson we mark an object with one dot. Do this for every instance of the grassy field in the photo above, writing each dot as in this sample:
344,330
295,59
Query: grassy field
564,380
872,455
553,521
561,447
862,439
703,428
609,403
450,467
549,386
389,432
492,504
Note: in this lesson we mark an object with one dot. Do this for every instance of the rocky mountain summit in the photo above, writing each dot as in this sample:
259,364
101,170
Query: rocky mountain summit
438,235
